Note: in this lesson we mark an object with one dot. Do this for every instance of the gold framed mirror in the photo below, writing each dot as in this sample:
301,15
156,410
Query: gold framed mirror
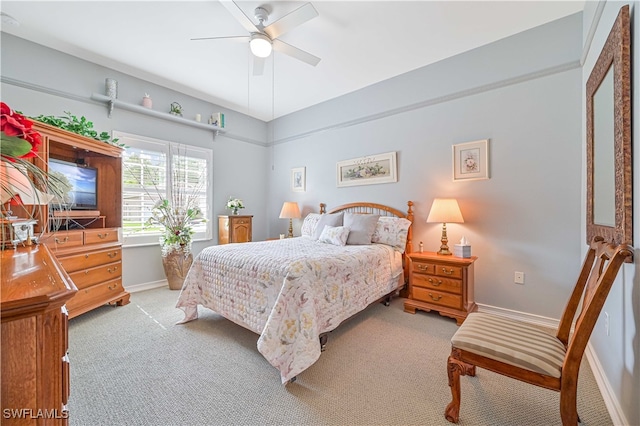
609,173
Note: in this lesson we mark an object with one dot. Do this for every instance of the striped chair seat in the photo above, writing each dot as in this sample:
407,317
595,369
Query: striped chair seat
512,342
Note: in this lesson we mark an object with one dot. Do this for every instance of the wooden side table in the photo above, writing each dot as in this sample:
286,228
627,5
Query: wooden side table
441,283
234,229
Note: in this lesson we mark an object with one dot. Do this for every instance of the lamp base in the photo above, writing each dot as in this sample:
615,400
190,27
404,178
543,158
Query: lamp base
290,229
444,248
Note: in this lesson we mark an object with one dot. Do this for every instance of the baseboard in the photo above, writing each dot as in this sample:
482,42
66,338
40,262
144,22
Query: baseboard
146,286
520,316
609,397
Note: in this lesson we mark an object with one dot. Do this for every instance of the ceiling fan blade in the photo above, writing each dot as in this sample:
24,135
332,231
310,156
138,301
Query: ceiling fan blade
237,13
258,65
215,38
291,20
294,52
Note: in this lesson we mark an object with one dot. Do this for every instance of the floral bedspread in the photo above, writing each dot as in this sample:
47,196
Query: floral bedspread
289,291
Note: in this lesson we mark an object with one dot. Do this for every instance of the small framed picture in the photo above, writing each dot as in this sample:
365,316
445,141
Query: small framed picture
298,179
471,160
372,169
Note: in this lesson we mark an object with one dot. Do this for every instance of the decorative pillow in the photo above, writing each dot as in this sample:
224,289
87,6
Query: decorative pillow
392,231
361,227
334,219
309,224
336,235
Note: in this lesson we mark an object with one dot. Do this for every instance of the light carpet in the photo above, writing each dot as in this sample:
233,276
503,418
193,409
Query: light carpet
132,365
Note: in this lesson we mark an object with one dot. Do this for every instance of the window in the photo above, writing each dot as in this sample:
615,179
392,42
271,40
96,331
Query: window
151,169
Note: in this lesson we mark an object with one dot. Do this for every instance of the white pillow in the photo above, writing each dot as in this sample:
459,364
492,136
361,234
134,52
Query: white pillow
334,219
392,231
309,224
336,235
361,227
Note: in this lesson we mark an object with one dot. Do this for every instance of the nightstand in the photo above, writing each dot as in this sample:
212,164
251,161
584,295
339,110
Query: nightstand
234,229
441,283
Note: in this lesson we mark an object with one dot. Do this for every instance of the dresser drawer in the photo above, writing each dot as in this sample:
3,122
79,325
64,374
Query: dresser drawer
437,297
437,283
90,259
241,221
449,271
62,240
98,293
90,276
96,236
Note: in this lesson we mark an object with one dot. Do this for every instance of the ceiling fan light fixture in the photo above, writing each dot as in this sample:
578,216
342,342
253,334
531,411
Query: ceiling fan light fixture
260,45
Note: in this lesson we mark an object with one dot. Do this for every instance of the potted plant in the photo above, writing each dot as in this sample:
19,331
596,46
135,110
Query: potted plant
177,219
235,204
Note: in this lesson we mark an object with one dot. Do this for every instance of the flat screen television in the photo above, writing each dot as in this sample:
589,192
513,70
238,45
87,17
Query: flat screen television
80,185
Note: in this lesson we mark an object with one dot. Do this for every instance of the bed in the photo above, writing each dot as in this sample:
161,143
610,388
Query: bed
294,291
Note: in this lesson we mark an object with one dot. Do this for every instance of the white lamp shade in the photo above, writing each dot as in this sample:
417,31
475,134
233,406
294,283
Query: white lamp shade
260,45
15,182
290,210
445,210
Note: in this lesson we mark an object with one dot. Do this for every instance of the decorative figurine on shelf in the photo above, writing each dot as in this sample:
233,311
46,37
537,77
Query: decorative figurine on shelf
147,102
176,109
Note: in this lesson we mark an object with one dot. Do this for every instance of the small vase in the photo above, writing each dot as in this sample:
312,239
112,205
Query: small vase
147,102
236,212
176,264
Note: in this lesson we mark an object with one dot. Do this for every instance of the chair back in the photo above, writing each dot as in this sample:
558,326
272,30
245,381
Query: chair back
599,270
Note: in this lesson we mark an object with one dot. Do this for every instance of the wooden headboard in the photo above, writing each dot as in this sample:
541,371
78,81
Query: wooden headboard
382,210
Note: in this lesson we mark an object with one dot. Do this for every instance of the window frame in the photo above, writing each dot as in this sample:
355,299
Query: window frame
170,149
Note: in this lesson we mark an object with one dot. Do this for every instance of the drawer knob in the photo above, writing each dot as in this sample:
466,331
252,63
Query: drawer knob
103,236
112,255
449,272
86,272
435,299
113,287
435,283
422,267
86,256
59,241
111,271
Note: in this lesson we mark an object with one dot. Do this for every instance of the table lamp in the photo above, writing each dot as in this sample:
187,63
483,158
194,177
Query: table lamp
290,211
445,210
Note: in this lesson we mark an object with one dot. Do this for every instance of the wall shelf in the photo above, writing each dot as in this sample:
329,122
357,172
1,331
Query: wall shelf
163,115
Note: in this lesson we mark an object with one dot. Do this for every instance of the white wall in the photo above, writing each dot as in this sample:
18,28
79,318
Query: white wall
618,353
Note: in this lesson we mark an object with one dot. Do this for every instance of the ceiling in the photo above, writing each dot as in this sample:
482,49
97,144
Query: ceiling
360,43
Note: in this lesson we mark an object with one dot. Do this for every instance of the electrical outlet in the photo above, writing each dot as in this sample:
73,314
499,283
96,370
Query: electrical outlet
606,322
518,278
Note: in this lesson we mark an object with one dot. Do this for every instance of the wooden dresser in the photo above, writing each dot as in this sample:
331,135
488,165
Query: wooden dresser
35,365
93,260
441,283
234,229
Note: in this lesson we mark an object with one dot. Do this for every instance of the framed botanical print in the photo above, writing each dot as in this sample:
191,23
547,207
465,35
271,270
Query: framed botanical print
298,179
471,160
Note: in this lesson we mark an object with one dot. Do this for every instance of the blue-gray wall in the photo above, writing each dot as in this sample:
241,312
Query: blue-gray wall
619,352
524,93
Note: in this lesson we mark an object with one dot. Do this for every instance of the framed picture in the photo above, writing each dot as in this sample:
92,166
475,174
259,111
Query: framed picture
298,179
471,160
380,168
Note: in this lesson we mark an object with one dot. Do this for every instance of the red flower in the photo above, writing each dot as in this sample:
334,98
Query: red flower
17,125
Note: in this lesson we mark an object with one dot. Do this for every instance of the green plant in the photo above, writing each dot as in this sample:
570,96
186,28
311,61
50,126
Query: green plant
80,126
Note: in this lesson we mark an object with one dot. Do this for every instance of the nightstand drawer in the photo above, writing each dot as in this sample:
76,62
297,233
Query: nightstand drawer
422,267
437,283
449,271
437,298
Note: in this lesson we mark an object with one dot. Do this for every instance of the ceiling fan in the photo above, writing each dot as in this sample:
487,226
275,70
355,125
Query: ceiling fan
262,40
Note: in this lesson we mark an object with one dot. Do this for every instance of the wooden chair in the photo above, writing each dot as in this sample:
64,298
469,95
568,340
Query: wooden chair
524,352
